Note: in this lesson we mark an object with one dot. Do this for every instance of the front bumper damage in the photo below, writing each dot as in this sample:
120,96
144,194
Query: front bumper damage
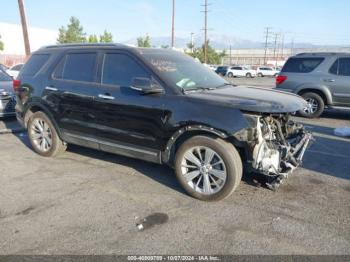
276,147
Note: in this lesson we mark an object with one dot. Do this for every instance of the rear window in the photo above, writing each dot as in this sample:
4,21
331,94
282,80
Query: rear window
34,64
4,76
302,65
77,67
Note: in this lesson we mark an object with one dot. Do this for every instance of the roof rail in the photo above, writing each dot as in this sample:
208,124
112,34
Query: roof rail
83,45
322,53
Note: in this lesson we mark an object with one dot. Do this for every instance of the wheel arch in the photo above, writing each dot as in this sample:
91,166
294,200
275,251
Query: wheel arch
324,94
184,133
36,107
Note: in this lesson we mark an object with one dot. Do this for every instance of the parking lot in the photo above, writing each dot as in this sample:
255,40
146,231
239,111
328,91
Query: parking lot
89,202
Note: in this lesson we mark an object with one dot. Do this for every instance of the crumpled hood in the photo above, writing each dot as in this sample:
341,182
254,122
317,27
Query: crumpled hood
254,99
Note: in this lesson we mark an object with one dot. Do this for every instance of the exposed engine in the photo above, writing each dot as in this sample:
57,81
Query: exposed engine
276,146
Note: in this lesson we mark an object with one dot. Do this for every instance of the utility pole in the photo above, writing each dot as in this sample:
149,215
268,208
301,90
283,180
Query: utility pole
230,55
282,45
192,43
292,47
275,47
267,31
205,31
173,27
24,27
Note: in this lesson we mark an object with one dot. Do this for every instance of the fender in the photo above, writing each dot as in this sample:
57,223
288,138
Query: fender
323,89
186,130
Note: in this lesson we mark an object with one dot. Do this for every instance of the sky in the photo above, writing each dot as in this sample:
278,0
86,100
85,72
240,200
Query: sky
322,22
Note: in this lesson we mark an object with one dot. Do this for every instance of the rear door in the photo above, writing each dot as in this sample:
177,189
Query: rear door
339,81
70,92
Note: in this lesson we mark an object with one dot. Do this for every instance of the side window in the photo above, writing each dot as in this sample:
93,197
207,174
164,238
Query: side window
120,69
302,65
34,64
77,67
334,68
344,67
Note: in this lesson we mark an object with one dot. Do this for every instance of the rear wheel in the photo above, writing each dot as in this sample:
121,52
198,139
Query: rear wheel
230,74
43,136
260,75
208,169
315,105
249,75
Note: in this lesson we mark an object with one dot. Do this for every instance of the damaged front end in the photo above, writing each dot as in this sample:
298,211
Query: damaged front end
275,146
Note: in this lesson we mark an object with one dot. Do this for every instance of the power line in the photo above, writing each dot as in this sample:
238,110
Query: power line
24,27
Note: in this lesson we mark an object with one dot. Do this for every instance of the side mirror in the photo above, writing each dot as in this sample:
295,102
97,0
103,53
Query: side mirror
146,85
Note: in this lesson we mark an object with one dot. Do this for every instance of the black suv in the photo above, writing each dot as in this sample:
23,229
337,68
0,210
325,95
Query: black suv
160,106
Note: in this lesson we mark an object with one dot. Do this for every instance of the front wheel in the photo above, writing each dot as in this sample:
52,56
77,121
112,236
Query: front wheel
249,75
43,136
315,105
230,75
207,168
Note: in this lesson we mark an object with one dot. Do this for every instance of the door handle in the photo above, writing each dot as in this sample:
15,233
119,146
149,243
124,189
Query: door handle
329,80
106,97
51,88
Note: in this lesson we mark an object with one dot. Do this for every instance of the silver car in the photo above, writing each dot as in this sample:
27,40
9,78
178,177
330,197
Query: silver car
7,96
322,79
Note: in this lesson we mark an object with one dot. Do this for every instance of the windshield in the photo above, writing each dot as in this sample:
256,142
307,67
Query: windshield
183,71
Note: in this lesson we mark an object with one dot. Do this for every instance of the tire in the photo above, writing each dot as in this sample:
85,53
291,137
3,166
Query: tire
316,105
225,161
48,143
230,75
260,75
249,75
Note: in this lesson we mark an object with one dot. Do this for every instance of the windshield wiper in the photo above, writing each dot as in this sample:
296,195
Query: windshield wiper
200,88
225,84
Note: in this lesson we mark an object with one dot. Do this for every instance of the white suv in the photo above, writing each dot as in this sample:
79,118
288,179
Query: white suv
267,71
238,71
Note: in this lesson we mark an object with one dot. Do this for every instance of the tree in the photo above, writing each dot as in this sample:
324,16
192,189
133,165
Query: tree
106,37
1,44
74,33
92,39
144,41
213,56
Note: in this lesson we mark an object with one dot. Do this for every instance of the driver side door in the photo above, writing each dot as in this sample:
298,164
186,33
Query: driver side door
129,122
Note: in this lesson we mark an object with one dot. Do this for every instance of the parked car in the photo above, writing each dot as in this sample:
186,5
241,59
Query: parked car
267,71
221,70
7,96
240,71
13,71
160,106
322,79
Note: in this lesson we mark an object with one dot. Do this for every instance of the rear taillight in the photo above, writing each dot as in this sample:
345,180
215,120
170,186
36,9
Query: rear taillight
280,79
16,84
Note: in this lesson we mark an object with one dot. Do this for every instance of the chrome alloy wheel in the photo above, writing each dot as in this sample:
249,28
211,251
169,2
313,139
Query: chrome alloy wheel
41,135
312,106
204,170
